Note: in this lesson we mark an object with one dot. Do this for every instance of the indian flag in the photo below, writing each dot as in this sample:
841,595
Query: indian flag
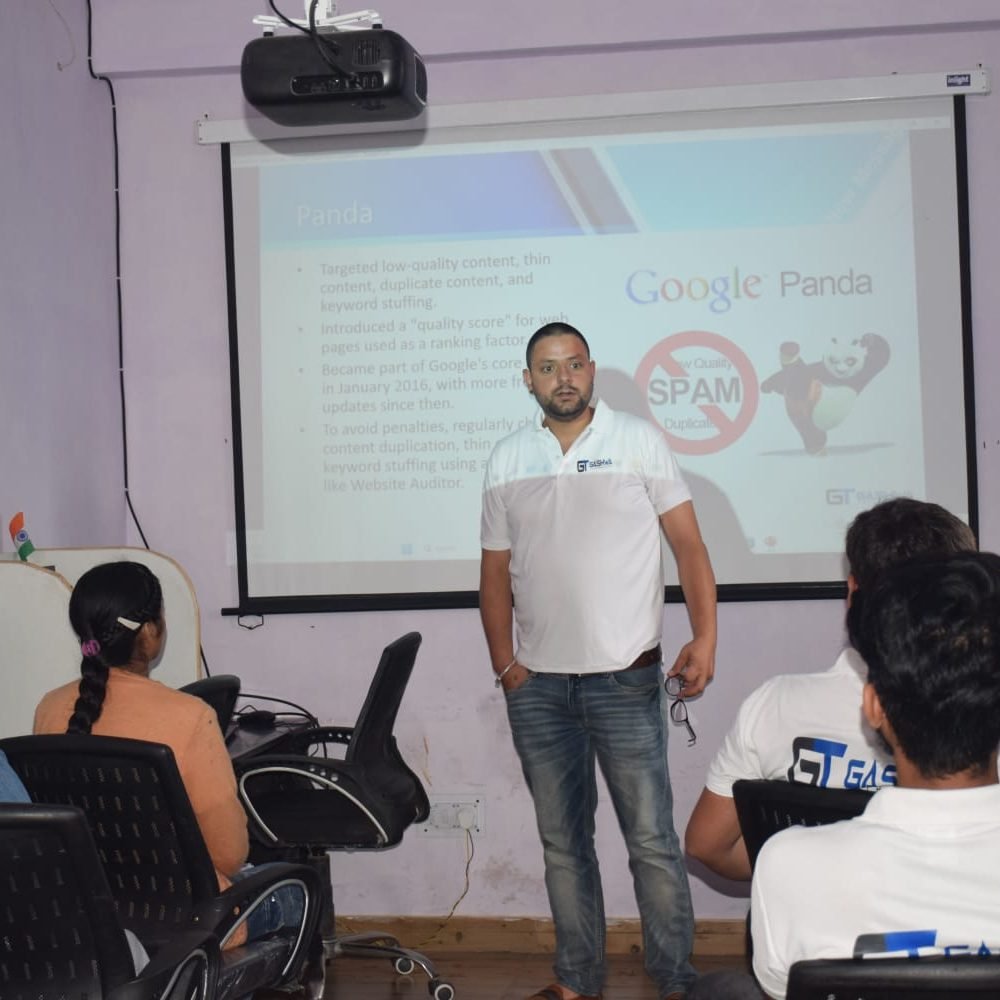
20,538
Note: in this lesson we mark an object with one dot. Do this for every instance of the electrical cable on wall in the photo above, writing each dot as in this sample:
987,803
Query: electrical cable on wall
60,65
470,853
118,264
345,926
118,286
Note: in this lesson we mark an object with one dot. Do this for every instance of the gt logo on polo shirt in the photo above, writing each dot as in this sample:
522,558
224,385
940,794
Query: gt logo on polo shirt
812,764
597,463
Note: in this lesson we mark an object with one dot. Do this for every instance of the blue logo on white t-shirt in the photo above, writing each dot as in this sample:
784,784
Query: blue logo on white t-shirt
914,944
597,463
812,760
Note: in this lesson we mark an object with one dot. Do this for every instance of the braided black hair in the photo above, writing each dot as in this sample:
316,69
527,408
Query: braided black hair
102,596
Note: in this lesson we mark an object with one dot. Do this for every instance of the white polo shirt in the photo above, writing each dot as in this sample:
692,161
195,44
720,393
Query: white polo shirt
584,535
918,873
807,728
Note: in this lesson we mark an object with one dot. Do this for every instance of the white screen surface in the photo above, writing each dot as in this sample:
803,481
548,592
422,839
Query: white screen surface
778,290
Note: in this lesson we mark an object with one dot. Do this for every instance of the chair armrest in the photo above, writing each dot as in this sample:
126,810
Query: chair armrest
231,908
281,792
299,740
350,775
302,741
186,958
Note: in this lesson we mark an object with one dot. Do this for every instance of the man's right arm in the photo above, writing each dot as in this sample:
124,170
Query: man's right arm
496,606
713,837
713,834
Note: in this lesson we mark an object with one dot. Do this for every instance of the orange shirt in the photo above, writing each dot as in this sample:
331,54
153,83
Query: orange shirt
139,708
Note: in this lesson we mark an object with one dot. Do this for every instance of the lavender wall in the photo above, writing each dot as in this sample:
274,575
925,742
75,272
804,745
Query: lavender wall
169,70
60,456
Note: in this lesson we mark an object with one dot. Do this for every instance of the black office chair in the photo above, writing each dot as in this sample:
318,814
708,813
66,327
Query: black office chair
221,691
930,978
157,865
303,804
60,935
765,807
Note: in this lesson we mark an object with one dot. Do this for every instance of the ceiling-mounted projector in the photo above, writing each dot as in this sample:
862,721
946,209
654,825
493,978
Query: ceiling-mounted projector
336,77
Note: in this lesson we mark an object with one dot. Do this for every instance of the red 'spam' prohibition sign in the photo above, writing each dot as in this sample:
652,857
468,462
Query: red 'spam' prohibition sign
701,390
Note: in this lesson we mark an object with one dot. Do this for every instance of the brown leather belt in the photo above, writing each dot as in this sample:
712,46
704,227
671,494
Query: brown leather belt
645,658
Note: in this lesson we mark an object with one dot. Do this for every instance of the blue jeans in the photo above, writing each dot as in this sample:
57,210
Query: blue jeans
11,787
561,724
283,908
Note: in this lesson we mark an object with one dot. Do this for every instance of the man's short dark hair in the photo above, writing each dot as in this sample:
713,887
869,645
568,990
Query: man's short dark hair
929,631
552,330
899,529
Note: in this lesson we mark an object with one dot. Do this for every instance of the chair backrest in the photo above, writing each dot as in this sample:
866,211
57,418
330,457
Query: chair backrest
180,661
766,806
298,799
221,691
372,735
39,648
39,645
60,934
135,802
930,978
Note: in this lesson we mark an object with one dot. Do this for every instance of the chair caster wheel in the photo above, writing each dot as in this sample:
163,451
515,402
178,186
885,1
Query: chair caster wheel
404,966
440,990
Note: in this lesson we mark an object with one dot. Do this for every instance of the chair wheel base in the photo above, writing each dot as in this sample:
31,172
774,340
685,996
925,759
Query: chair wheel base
381,944
441,990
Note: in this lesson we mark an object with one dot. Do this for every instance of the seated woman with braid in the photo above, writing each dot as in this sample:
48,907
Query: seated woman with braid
116,610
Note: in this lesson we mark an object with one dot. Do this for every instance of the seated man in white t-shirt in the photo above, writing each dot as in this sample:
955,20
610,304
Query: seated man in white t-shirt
919,872
809,727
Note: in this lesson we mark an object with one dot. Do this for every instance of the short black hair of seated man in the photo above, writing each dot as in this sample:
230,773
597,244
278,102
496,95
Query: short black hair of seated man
929,631
898,529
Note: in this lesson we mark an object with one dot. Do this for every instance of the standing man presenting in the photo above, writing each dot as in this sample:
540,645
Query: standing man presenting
573,507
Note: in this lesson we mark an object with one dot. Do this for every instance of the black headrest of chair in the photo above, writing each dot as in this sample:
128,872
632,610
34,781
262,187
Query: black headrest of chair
764,807
933,977
221,691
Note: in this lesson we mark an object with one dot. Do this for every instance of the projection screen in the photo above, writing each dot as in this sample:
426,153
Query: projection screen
780,290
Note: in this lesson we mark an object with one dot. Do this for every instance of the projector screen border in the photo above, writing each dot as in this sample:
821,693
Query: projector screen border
210,131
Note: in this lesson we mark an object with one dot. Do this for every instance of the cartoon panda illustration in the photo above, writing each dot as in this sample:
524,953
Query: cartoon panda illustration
820,395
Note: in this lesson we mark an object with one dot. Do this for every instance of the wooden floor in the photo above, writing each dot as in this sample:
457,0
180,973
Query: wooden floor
477,976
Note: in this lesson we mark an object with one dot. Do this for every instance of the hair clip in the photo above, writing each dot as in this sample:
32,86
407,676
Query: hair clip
128,623
91,647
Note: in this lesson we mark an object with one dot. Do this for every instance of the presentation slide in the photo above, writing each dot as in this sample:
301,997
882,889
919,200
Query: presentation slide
777,290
